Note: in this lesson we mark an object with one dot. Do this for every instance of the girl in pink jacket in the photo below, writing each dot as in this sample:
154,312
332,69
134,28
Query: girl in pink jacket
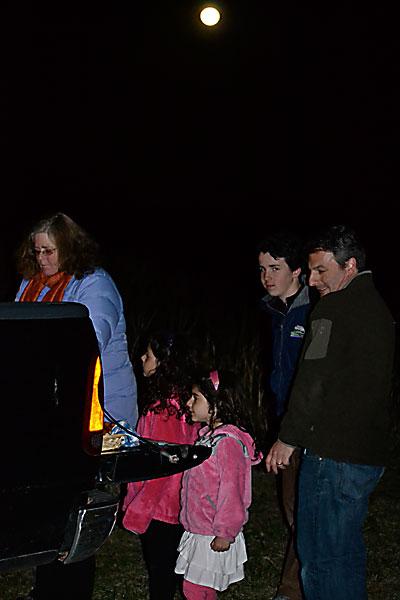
151,508
216,495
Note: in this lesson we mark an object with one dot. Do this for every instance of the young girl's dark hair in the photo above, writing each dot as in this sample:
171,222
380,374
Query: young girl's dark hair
226,400
171,378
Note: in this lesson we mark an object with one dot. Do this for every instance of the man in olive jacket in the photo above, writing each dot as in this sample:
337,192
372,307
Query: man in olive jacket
339,414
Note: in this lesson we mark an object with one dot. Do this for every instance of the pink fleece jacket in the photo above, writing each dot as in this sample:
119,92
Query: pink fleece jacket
157,498
216,494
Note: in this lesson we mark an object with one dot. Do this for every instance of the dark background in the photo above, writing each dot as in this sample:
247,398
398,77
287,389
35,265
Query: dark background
179,146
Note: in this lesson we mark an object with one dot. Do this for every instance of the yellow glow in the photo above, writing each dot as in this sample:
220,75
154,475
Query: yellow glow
96,412
210,16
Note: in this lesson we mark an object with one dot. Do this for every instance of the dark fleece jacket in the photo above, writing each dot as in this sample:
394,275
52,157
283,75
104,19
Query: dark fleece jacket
339,407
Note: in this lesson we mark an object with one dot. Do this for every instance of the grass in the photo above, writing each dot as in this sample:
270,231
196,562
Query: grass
121,574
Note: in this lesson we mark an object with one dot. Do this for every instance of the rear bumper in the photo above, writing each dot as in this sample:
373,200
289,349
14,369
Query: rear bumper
90,527
87,528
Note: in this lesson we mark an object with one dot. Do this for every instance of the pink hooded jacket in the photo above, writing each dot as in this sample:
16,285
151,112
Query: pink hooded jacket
216,494
157,498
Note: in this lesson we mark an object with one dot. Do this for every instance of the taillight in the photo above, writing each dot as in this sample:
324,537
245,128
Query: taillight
93,422
96,411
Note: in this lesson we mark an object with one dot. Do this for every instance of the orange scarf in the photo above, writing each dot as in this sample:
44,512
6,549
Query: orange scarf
57,284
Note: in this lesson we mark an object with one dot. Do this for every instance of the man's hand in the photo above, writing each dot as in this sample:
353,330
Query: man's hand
278,457
220,544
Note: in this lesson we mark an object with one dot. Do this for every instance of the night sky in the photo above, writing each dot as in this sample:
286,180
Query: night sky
282,115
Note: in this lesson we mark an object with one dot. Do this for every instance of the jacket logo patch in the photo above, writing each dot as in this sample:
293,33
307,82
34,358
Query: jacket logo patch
321,333
297,332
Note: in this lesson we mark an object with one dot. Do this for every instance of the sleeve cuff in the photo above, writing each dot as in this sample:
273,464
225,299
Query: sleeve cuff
286,444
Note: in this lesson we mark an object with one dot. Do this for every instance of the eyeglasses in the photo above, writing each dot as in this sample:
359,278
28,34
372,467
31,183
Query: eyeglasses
45,251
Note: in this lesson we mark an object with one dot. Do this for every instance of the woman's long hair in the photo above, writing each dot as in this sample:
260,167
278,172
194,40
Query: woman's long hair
78,253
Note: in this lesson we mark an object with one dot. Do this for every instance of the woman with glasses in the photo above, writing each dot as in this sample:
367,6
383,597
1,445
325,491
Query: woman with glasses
59,262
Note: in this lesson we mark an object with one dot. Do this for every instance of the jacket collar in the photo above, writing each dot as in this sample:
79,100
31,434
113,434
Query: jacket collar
302,299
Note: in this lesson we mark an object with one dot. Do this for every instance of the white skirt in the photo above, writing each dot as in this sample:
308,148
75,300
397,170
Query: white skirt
198,563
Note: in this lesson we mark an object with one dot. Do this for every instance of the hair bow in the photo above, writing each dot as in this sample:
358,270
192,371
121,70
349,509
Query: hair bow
214,379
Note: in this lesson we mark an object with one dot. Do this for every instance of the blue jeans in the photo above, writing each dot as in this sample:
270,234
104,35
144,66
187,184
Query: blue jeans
332,507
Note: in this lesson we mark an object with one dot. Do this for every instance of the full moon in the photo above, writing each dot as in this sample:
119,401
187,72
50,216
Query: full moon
210,16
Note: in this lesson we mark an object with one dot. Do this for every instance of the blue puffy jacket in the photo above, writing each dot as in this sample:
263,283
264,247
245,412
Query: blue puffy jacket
288,331
98,292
